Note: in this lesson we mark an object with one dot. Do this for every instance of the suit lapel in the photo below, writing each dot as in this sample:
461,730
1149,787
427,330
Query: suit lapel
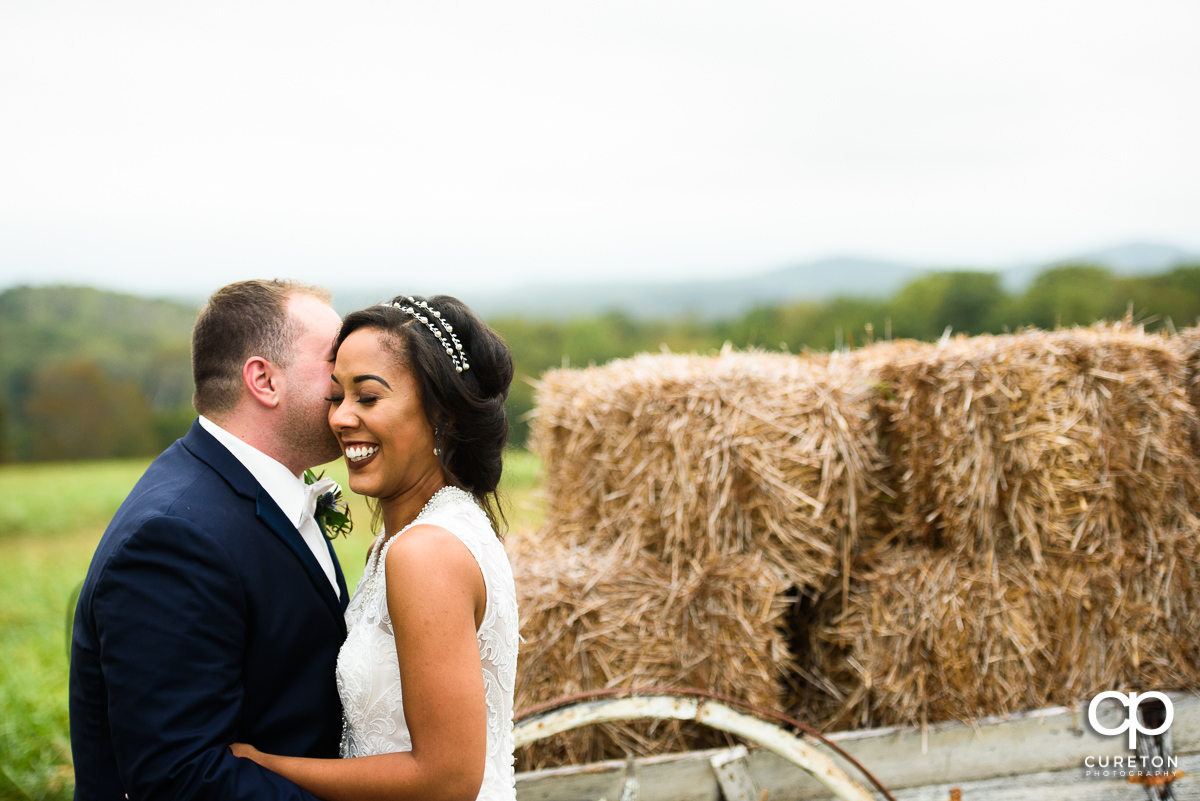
343,593
274,519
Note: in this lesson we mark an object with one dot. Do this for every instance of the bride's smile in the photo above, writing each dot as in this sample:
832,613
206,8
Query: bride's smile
360,453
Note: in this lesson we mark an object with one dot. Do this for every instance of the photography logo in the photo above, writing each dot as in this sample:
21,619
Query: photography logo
1133,722
1150,761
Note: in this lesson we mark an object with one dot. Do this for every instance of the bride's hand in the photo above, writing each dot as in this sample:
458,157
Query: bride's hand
247,751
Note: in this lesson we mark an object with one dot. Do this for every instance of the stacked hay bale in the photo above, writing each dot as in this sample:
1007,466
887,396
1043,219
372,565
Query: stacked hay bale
1043,544
1069,443
907,533
685,456
594,618
686,496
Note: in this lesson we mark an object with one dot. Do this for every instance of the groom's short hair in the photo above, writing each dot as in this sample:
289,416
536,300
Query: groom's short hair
244,319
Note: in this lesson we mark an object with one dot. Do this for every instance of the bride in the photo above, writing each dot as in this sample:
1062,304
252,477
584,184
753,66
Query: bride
418,407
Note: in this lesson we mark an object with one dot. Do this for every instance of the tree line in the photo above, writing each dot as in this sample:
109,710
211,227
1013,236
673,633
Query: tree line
86,374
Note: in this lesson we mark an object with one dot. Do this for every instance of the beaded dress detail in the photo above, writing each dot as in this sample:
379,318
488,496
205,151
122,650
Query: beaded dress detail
368,673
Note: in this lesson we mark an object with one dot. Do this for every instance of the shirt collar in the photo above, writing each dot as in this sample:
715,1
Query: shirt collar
284,488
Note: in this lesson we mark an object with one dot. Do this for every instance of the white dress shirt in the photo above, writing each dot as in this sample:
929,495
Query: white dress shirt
284,488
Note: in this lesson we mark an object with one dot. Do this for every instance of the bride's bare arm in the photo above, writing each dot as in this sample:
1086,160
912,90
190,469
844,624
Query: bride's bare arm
436,597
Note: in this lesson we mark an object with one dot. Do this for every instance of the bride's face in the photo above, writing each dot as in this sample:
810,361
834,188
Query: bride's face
378,418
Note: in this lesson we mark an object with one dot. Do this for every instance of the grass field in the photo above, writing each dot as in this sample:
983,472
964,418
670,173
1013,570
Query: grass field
50,521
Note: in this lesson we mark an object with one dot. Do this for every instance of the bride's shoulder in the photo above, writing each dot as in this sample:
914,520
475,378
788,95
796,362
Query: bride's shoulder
425,544
427,564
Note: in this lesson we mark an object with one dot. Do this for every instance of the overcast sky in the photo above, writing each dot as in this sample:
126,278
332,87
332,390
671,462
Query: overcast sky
173,147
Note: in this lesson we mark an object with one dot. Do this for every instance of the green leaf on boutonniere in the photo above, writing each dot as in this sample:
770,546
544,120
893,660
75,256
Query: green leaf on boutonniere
333,512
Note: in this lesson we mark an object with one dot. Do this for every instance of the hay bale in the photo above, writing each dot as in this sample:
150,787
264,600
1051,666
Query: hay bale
1071,444
930,636
595,619
1187,345
1044,541
1038,543
687,457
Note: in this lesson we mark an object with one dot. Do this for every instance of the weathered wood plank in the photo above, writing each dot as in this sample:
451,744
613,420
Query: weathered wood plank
1009,753
675,777
1063,784
732,768
692,780
1044,741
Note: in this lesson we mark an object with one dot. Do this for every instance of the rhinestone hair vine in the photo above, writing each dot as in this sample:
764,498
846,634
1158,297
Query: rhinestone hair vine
421,311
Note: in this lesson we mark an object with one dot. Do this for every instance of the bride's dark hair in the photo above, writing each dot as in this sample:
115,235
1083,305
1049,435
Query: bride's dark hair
465,409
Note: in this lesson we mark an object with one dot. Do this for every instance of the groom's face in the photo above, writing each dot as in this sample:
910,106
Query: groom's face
306,418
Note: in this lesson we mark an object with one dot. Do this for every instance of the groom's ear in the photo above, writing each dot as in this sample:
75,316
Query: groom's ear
262,381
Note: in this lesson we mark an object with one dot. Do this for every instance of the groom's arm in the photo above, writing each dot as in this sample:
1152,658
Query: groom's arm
170,614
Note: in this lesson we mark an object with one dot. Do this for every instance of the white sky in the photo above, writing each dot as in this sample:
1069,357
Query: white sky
174,147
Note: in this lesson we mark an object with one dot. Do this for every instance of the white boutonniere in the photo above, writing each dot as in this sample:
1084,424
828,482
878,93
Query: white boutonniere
333,512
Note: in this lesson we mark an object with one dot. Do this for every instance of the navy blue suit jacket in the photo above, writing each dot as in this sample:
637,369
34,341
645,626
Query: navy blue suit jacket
204,620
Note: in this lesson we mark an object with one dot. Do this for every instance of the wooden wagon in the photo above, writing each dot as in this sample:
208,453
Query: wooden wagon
1043,754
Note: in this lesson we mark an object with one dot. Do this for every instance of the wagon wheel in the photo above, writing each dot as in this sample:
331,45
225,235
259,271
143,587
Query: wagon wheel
714,711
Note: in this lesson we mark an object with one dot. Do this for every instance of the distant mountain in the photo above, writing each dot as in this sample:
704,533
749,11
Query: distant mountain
1134,258
821,280
1138,258
844,276
816,281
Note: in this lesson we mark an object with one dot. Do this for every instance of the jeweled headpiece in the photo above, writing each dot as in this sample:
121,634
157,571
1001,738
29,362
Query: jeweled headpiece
421,311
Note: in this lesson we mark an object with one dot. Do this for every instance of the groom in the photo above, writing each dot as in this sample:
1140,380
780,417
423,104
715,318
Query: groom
212,611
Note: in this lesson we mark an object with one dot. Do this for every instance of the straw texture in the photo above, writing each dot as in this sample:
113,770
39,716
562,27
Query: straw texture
1071,444
930,636
901,534
684,457
594,619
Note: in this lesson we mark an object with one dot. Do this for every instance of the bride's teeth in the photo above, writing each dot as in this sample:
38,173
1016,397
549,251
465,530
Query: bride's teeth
357,453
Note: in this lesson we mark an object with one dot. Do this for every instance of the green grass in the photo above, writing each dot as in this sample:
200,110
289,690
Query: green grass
44,500
49,525
521,490
40,577
51,520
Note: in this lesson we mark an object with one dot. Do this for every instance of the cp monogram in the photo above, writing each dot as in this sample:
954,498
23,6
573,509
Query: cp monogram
1132,723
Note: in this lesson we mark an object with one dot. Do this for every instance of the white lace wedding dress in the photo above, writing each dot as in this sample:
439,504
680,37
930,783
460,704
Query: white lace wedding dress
368,675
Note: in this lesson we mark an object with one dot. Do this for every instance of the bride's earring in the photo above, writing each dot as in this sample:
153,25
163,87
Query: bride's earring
437,434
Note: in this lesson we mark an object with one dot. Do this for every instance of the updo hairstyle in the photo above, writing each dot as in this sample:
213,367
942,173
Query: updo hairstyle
465,409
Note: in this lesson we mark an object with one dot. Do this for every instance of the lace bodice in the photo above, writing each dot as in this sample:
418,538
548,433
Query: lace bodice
368,673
